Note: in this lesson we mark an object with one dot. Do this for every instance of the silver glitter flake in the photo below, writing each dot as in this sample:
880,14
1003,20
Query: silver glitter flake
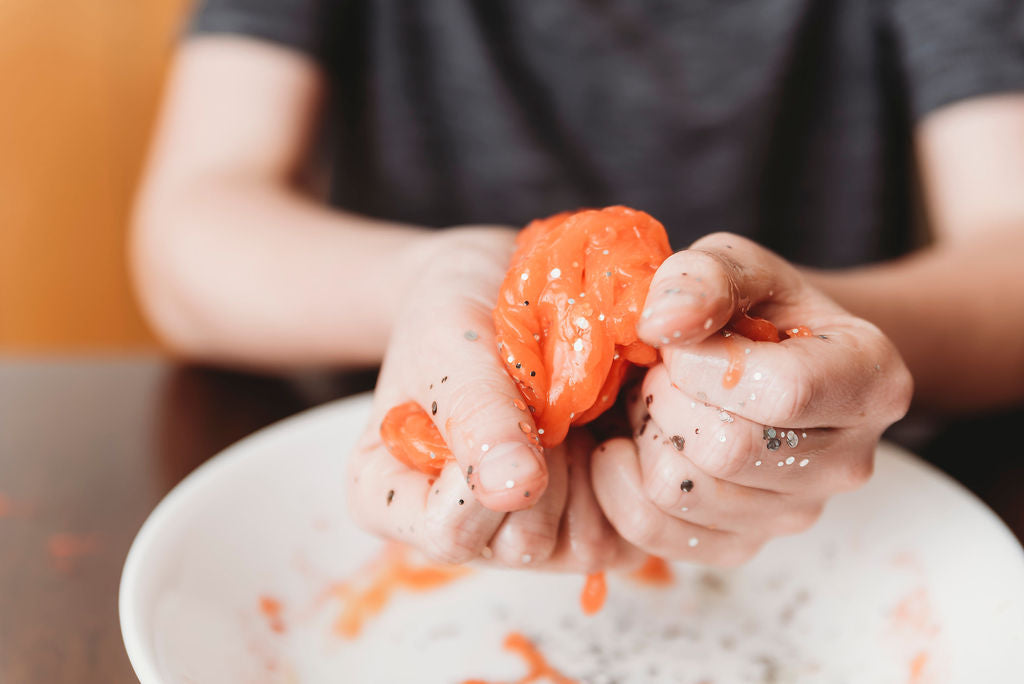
470,335
769,433
792,440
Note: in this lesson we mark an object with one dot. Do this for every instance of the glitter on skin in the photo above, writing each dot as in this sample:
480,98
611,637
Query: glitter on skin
540,431
804,462
600,317
753,397
746,351
693,542
511,359
527,558
721,437
677,333
582,323
555,272
789,461
803,435
578,344
485,447
647,313
685,508
781,464
757,463
509,484
525,276
664,340
470,335
792,440
707,324
757,375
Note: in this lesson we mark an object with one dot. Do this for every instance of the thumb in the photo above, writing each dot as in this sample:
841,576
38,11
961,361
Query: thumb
697,291
489,428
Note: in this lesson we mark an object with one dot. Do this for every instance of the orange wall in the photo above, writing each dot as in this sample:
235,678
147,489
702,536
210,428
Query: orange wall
79,82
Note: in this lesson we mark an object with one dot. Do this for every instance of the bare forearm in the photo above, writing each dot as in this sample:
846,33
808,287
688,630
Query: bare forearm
956,313
247,271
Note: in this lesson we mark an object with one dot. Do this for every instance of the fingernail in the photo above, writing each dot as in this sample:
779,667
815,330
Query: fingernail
507,465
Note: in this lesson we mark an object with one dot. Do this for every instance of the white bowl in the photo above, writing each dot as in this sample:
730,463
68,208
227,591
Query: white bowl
910,579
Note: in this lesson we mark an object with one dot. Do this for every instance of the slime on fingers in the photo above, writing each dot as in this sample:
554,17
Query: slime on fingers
565,324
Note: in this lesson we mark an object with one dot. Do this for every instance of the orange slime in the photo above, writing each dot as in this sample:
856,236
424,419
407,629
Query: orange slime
539,668
655,571
271,609
595,590
756,330
388,574
567,311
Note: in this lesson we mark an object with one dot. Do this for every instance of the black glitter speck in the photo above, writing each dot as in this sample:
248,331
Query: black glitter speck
391,495
469,470
678,442
527,493
519,364
433,408
444,378
774,443
533,373
686,485
461,501
648,399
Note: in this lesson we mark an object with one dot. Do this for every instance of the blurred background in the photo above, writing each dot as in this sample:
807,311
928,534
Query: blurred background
79,89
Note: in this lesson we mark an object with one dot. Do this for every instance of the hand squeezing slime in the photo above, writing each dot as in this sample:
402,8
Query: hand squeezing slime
566,320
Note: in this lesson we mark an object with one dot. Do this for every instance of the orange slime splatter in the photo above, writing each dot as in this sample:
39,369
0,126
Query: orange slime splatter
595,590
271,609
388,574
917,666
655,571
537,664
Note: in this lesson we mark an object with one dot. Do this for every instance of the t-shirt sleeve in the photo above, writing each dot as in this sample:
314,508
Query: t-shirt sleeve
956,49
296,24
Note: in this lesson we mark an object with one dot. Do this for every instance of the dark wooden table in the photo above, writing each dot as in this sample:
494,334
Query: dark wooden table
88,448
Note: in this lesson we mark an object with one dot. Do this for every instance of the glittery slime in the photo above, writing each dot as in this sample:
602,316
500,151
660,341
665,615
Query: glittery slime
565,321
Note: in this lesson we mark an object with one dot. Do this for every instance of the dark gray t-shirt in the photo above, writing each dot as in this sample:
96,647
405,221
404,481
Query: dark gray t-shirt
785,120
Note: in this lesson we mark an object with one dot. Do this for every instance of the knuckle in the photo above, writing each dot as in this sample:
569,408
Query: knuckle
518,544
790,395
899,393
641,526
725,460
855,471
662,486
479,402
448,543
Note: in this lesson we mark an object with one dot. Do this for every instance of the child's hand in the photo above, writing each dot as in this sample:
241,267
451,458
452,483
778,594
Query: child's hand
718,470
501,492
